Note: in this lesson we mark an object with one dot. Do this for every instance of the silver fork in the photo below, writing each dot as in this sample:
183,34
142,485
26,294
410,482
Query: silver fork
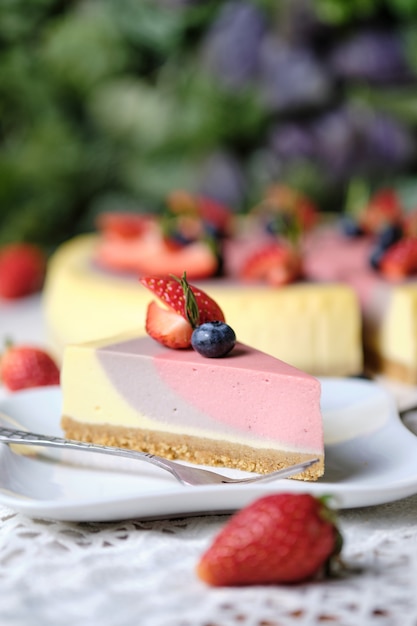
183,473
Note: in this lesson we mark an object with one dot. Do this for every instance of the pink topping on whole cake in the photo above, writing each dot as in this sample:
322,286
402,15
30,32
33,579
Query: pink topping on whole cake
368,252
137,244
202,237
194,233
186,238
391,231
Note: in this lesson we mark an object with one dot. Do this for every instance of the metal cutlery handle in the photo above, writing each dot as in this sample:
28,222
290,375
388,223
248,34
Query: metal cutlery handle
9,435
185,474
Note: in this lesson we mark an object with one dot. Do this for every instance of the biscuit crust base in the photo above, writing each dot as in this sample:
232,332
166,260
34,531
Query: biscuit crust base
197,450
375,364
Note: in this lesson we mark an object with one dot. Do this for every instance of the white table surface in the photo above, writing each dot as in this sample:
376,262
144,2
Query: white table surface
141,573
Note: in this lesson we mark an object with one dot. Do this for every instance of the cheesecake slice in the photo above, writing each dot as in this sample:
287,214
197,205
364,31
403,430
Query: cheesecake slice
248,410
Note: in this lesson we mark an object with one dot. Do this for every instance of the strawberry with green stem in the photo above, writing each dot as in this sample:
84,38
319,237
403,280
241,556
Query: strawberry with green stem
273,263
285,215
278,539
186,308
286,212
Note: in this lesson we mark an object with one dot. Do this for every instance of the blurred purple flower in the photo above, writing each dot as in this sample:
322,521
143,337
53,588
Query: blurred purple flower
386,142
222,179
292,140
290,77
230,50
374,56
336,142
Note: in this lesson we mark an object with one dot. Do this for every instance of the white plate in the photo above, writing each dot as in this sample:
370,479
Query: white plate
371,458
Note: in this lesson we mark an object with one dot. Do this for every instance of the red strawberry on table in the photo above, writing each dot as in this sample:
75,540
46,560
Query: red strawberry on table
22,270
173,324
26,366
279,538
273,263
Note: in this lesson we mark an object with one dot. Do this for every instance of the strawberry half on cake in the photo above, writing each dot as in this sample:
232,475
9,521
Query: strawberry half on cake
190,391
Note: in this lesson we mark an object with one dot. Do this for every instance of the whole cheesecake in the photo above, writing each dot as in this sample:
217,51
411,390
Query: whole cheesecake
247,410
315,326
342,316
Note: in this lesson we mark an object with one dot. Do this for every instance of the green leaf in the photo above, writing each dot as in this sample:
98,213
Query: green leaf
339,12
131,111
83,47
400,102
403,8
358,195
147,24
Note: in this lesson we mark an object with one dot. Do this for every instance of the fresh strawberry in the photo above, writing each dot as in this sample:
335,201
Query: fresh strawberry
279,538
25,366
410,224
400,259
274,263
174,324
214,217
308,213
167,327
383,210
182,230
290,203
184,202
214,214
173,293
22,270
125,225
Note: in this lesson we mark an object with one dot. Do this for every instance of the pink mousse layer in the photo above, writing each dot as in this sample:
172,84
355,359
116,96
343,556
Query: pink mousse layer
248,393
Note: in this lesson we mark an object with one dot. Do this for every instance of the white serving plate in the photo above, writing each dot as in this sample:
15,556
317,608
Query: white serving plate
371,458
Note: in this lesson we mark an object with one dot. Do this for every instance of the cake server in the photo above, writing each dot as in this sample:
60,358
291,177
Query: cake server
183,473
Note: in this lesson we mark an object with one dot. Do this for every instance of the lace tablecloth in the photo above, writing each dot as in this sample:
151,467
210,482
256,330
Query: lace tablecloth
142,573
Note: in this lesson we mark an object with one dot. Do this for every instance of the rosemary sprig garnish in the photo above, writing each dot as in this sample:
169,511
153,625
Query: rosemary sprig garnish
190,303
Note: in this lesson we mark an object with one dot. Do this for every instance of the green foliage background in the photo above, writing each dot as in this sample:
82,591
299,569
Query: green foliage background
107,105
